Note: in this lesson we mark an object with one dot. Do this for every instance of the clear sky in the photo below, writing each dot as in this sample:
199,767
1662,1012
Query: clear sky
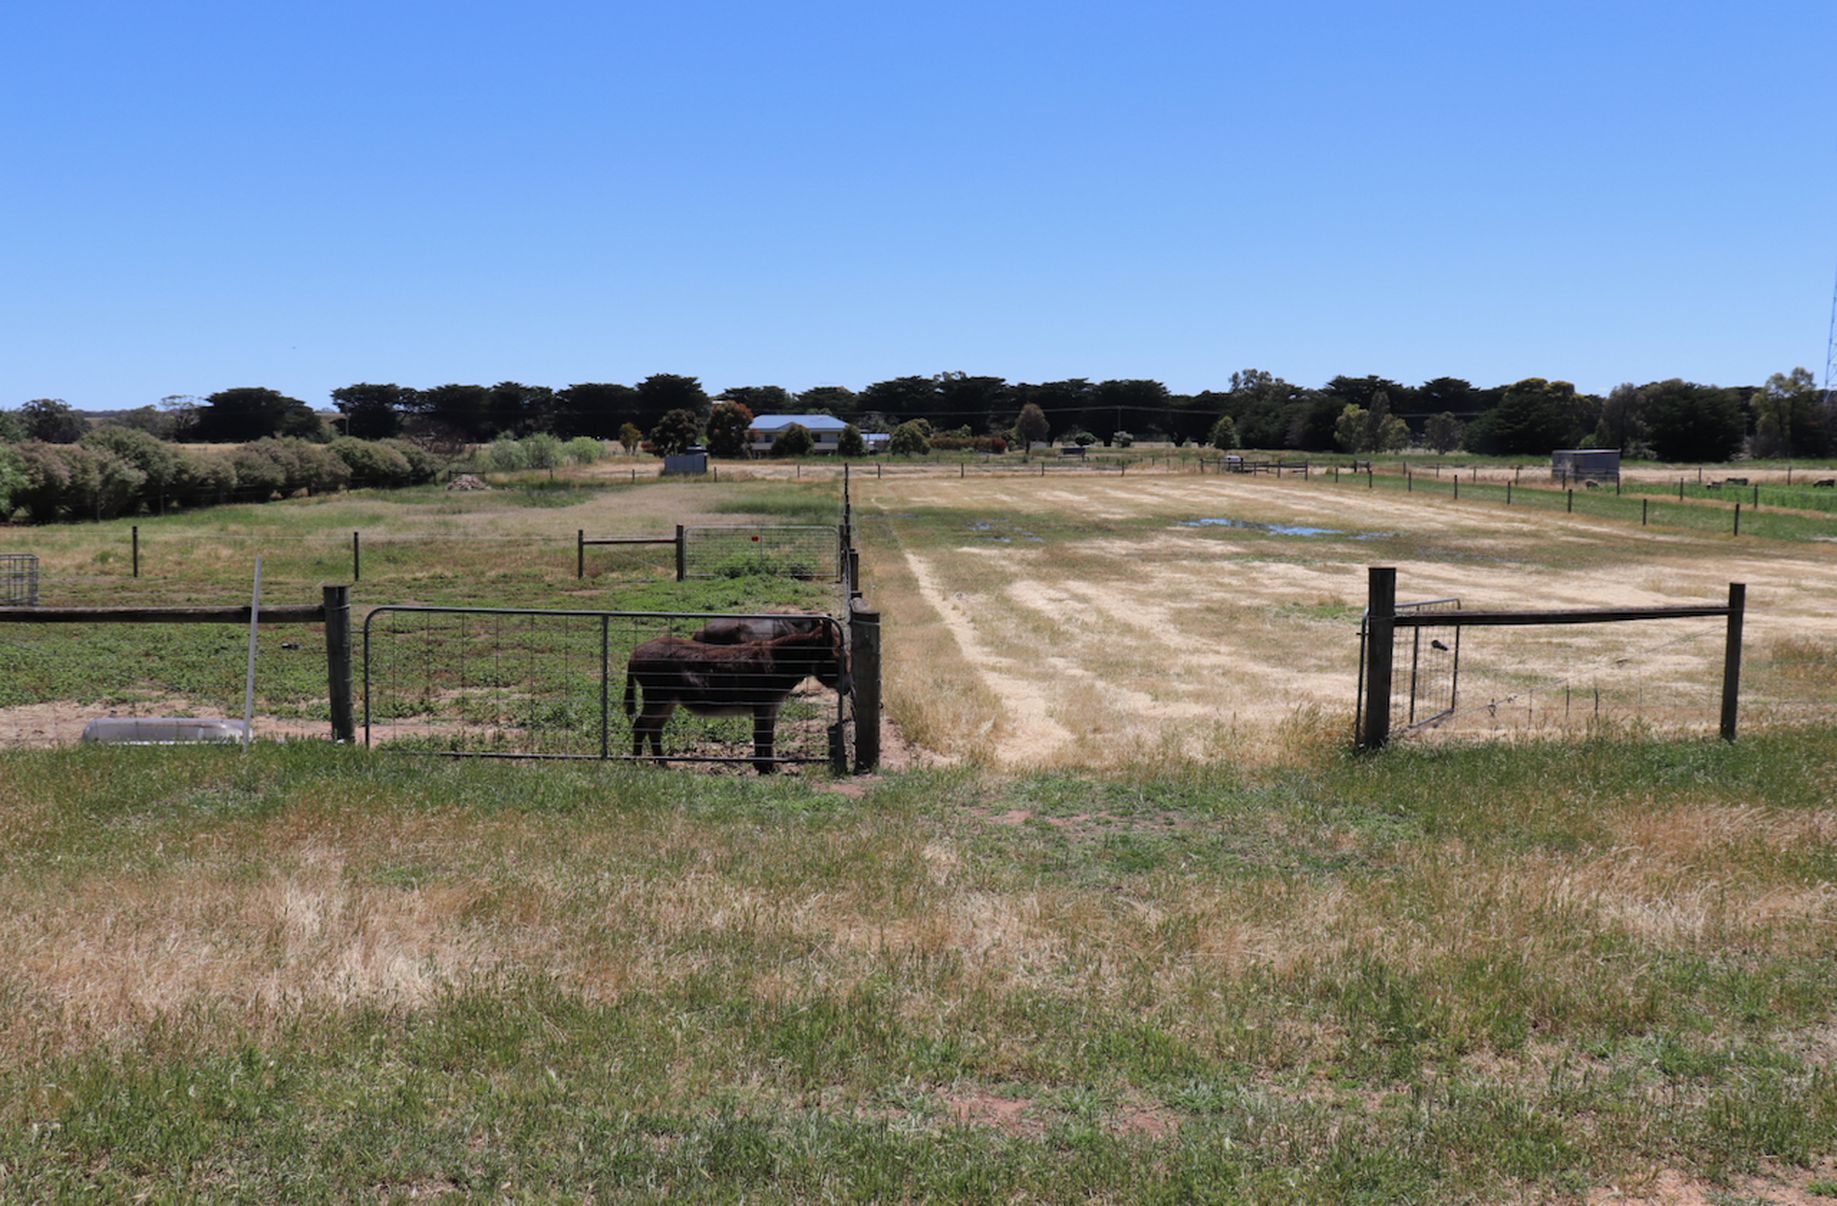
195,196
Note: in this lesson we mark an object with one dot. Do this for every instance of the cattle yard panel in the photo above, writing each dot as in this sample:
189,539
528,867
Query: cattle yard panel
813,552
18,580
541,684
1424,691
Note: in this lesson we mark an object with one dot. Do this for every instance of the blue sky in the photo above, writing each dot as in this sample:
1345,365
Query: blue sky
198,196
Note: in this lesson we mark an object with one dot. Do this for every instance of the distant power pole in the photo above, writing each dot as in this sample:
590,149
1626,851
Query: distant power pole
1830,352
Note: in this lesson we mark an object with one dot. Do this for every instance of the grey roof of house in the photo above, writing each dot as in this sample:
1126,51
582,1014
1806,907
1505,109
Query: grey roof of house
808,422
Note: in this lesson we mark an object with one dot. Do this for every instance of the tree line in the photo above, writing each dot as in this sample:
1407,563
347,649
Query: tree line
1670,420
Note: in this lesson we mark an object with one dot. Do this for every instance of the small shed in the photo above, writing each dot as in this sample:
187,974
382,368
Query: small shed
690,461
1585,465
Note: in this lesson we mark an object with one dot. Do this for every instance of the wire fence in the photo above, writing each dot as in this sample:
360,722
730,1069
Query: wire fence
765,690
811,552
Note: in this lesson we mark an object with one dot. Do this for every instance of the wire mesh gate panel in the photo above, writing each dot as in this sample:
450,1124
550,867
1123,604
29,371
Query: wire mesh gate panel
18,580
527,683
810,551
1427,681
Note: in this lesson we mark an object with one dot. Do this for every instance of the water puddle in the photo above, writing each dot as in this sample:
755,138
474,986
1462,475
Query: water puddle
992,531
1282,529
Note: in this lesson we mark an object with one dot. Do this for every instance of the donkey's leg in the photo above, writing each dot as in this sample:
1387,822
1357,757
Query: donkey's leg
650,722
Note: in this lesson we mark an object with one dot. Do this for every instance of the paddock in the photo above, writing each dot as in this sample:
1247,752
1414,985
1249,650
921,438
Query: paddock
1034,624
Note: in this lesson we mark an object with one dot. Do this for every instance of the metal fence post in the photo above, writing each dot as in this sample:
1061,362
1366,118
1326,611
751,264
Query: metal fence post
682,562
864,650
1381,613
1731,659
580,553
134,536
338,662
1737,519
357,559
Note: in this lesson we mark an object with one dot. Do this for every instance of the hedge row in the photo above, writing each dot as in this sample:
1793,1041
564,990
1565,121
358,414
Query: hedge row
117,471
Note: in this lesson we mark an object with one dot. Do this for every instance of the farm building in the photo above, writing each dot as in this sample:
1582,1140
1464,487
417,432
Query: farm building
1585,464
825,430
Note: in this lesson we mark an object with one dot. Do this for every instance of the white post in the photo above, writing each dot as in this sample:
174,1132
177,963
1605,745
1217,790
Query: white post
248,690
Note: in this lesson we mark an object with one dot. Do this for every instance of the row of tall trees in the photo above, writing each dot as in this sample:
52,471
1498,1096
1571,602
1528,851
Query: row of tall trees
1673,420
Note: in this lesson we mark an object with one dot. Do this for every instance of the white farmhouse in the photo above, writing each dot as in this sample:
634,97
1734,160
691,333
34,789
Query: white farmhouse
825,430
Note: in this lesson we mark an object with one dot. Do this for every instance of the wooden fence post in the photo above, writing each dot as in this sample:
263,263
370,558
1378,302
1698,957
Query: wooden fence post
854,573
682,558
1737,519
864,651
338,662
1644,503
1731,659
357,559
580,552
1380,628
1508,494
134,536
1569,505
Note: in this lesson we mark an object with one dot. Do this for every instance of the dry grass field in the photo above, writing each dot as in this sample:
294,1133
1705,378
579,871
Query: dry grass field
1107,621
1126,922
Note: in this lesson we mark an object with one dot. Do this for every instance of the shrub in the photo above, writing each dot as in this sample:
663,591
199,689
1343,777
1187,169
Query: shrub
260,469
46,480
372,463
1223,435
850,443
728,425
583,450
542,450
675,432
910,439
12,479
423,465
1122,439
203,478
506,454
102,485
794,440
157,461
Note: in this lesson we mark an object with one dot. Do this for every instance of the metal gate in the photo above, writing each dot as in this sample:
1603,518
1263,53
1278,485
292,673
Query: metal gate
814,552
529,683
1427,693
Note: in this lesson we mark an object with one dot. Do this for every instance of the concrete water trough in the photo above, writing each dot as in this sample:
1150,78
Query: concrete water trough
162,730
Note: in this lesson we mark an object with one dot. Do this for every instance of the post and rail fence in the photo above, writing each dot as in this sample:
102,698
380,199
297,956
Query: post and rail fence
1384,617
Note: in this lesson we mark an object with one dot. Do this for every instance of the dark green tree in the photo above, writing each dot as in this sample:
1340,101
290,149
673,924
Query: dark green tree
1123,404
371,412
980,403
728,424
1537,416
661,393
52,420
901,398
760,399
794,440
850,443
1223,435
1032,427
675,431
834,400
515,409
253,413
1443,432
911,438
1690,422
461,412
593,408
